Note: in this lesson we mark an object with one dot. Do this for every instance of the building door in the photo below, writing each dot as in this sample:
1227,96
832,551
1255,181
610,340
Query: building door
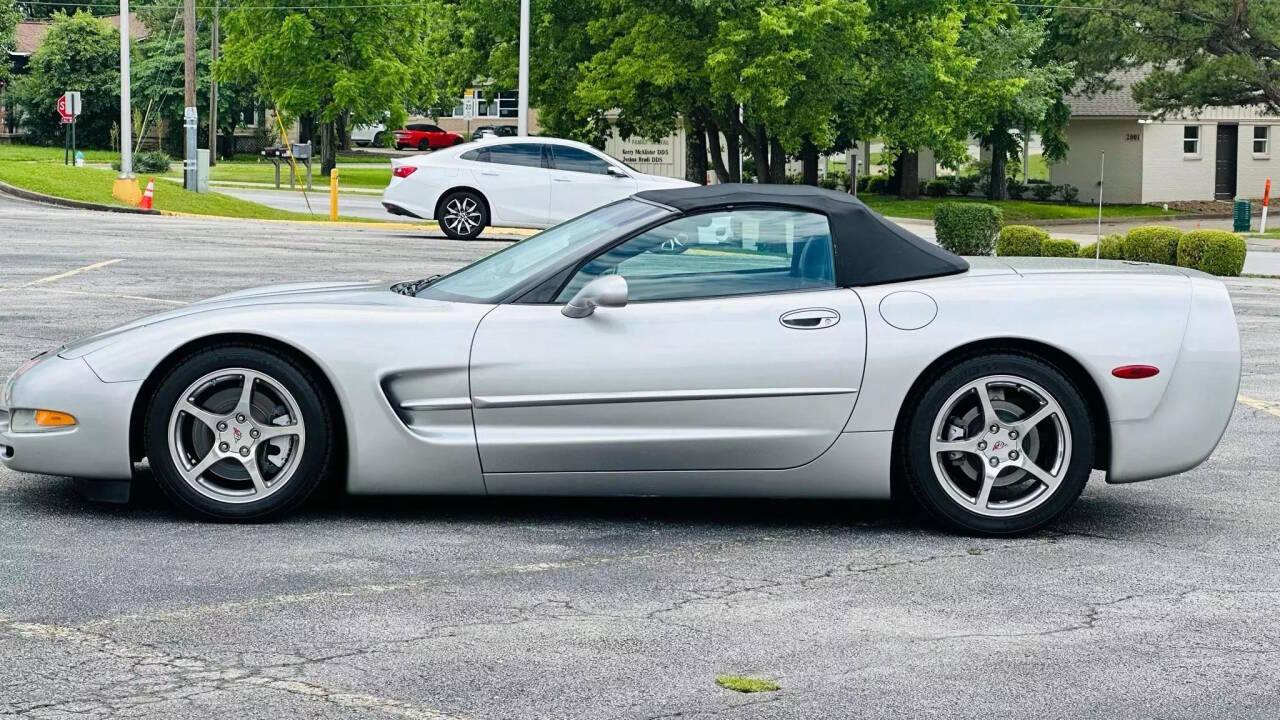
1224,179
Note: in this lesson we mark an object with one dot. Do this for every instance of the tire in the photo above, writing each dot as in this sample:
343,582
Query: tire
463,215
377,139
1042,464
203,446
424,145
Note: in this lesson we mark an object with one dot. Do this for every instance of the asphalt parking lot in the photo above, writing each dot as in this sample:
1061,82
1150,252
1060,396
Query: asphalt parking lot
1159,599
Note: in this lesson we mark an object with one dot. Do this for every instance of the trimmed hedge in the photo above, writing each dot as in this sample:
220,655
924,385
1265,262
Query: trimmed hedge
878,184
1112,248
967,228
1020,241
1213,251
937,188
1060,247
1153,244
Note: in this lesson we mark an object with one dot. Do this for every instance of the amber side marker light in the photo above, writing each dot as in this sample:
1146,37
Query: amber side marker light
1135,372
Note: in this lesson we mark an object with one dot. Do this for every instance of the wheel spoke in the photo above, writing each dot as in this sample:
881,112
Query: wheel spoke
205,463
204,416
1025,425
245,404
270,432
984,399
963,446
255,473
988,482
1044,476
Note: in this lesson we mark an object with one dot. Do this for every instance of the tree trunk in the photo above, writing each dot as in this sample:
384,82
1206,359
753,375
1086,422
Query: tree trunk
733,146
777,162
809,163
713,144
344,131
999,189
329,145
762,157
695,162
909,175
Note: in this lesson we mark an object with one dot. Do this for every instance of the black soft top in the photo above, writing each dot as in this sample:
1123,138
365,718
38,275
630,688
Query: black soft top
869,250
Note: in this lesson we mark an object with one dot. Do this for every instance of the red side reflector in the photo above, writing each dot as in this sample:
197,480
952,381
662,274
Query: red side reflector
404,171
1135,372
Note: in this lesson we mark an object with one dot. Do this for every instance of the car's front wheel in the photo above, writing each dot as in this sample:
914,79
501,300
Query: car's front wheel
463,215
999,444
239,432
424,145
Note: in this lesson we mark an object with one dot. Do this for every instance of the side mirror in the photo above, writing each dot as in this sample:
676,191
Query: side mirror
615,172
604,291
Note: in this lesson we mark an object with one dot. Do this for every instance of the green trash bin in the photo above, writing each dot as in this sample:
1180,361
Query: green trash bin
1243,216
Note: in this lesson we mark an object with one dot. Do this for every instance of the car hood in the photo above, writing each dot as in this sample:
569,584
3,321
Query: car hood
320,293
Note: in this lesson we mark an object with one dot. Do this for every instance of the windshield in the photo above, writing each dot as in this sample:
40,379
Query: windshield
497,276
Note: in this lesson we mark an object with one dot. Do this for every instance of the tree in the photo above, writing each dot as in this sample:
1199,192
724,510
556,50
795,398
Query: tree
9,18
80,52
332,60
1016,89
1200,53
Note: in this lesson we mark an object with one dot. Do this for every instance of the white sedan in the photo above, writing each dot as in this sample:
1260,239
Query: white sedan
529,182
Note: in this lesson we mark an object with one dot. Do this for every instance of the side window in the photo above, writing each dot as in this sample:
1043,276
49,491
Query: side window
526,154
432,128
578,160
477,155
416,127
741,252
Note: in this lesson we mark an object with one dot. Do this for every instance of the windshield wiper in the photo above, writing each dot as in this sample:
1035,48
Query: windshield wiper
412,287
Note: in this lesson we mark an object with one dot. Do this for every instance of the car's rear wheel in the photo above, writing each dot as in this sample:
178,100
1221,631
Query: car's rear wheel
463,215
1000,444
239,432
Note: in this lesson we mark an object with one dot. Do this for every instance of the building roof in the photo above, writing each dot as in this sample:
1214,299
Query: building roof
869,250
30,33
1117,102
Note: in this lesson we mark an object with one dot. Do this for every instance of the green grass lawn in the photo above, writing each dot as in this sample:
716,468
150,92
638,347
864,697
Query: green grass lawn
252,171
94,185
1014,210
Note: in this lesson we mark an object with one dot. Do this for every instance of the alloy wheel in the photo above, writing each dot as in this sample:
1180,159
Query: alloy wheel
1000,446
236,435
462,215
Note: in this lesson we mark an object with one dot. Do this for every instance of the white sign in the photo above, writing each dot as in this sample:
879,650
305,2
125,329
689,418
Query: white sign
69,105
469,106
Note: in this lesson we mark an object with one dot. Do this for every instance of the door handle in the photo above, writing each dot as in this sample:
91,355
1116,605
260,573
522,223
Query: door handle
560,179
810,318
488,172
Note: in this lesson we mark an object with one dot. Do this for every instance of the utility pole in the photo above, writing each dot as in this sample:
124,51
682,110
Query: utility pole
125,187
522,104
213,91
189,114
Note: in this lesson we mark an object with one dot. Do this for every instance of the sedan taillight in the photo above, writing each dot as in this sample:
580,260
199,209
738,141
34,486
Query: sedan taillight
403,171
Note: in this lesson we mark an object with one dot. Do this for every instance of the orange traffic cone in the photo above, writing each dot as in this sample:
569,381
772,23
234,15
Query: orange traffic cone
148,194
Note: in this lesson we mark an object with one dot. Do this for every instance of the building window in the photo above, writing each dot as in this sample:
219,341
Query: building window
1261,140
1191,140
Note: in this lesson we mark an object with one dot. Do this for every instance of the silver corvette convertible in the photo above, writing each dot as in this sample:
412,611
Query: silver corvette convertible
733,340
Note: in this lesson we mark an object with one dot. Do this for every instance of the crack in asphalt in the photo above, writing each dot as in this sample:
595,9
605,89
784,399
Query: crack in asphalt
155,676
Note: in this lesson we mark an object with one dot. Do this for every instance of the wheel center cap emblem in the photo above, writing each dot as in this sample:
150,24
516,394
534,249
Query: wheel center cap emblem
235,434
999,445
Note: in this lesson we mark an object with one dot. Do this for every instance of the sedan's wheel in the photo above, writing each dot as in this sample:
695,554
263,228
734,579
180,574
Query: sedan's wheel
424,145
463,215
1000,444
239,433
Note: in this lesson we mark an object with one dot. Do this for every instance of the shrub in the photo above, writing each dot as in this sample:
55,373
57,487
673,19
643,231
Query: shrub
1152,243
1112,248
1043,191
1060,247
878,184
967,228
1020,241
147,161
835,180
1016,189
1213,251
937,188
1069,193
965,184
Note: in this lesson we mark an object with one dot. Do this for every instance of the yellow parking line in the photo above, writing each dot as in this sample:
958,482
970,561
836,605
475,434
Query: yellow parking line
66,274
1263,405
108,295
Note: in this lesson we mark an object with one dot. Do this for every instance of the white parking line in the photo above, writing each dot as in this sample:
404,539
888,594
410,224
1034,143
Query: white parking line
67,274
108,295
1263,405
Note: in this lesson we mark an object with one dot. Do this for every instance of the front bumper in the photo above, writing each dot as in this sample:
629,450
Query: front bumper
97,447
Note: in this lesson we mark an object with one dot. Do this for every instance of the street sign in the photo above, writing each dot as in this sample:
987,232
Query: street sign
69,106
469,108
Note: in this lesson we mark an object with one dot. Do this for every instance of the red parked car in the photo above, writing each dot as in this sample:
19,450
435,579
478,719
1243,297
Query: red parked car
425,137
